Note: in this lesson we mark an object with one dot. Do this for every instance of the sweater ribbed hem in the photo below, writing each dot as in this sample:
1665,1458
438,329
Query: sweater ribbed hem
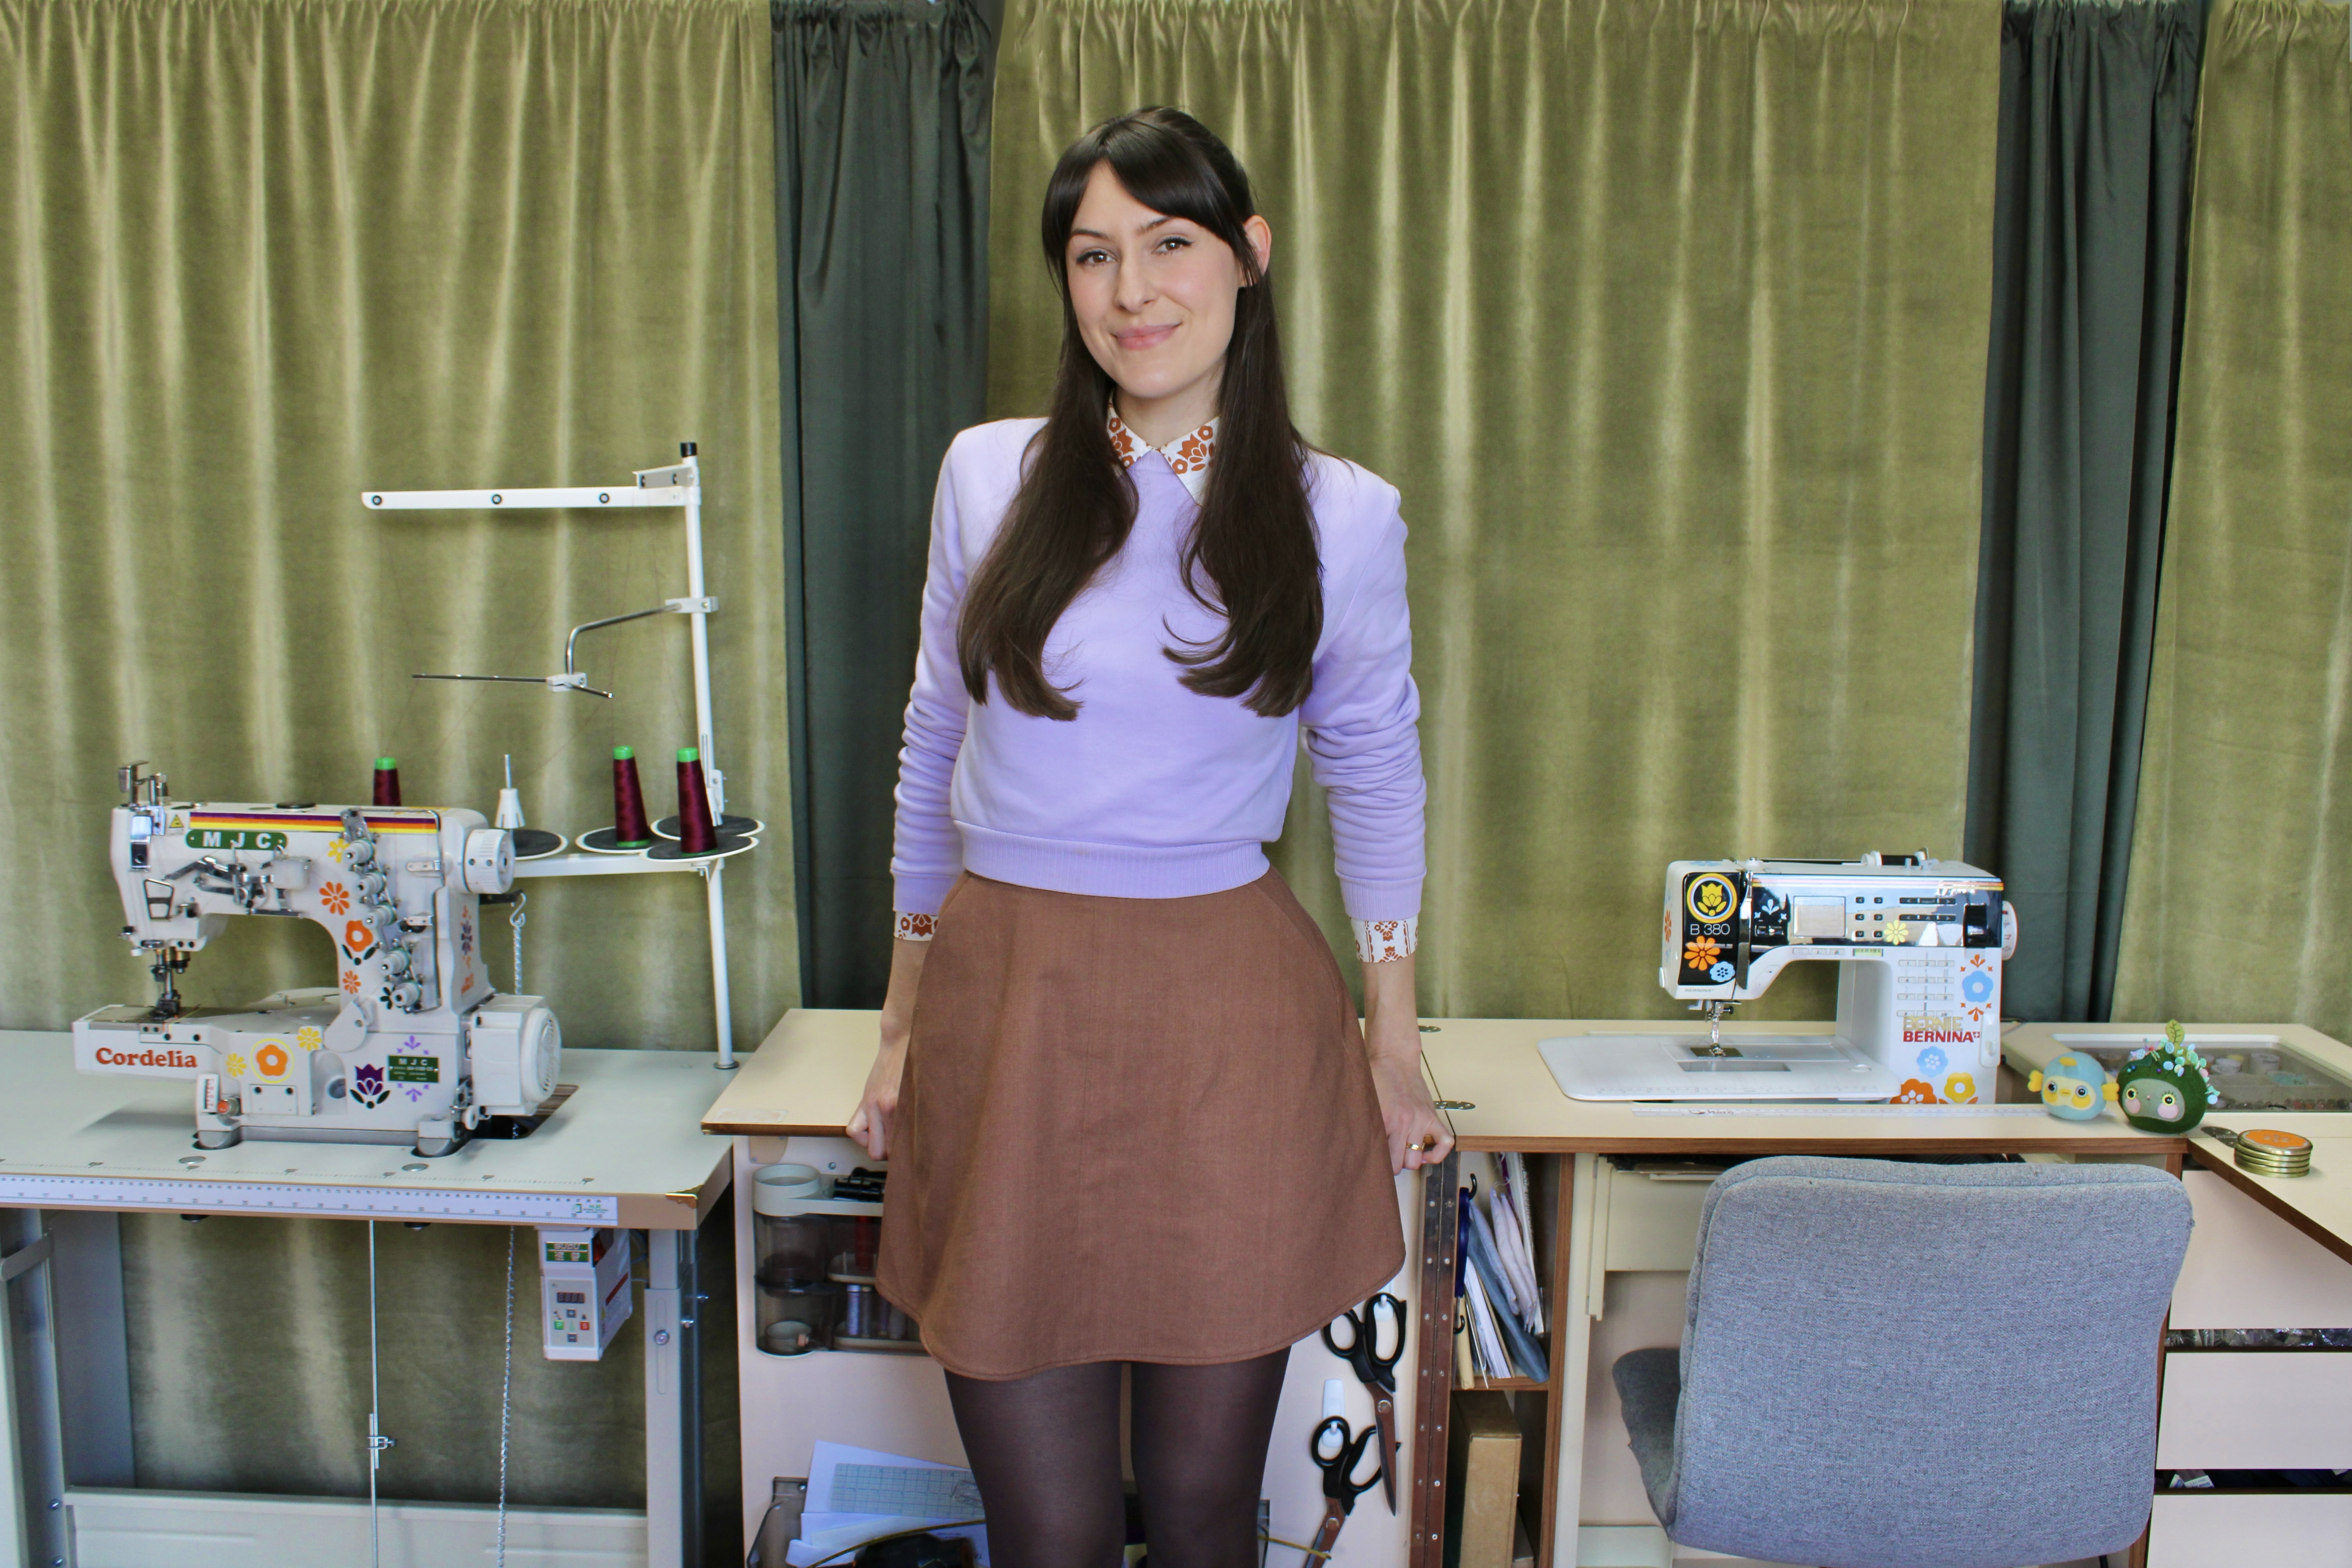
1112,870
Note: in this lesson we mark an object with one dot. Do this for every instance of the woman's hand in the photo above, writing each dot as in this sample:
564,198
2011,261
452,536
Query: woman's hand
870,1127
1417,1135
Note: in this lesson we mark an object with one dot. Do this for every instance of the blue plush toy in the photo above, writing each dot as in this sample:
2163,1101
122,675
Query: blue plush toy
2074,1085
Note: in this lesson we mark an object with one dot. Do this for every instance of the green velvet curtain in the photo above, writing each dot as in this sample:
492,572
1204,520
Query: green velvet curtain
1669,322
2090,241
881,117
254,256
2244,834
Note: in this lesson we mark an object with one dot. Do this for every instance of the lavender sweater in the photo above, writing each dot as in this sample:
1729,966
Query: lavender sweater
1155,791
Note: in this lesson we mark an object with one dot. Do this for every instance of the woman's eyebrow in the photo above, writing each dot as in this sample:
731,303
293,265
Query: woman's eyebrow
1145,229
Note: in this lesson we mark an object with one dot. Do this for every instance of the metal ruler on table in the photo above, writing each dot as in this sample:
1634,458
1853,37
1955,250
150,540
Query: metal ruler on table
305,1198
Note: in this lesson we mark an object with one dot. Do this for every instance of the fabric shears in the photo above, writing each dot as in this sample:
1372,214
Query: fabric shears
1375,1370
1339,1450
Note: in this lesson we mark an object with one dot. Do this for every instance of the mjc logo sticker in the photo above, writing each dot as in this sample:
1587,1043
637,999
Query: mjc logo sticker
1711,898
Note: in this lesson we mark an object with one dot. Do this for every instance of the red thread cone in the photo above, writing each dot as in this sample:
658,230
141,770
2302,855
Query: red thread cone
696,835
630,829
387,781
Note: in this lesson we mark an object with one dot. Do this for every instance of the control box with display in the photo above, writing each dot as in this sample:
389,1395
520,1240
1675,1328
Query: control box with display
584,1287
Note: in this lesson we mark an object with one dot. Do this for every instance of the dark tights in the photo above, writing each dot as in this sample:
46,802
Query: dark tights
1044,1449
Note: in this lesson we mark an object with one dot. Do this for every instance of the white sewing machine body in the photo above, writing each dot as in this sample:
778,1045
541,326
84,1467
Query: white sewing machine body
1918,942
411,1045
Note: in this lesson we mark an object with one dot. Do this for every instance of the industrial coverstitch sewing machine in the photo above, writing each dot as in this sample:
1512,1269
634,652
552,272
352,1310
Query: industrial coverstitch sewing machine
411,1045
1918,943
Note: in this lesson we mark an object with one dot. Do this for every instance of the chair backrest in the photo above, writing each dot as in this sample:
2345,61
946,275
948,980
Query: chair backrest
1944,1366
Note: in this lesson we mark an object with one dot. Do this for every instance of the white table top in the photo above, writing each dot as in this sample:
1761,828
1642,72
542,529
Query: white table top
625,1149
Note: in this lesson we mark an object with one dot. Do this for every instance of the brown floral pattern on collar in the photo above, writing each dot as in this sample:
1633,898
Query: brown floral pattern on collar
1188,455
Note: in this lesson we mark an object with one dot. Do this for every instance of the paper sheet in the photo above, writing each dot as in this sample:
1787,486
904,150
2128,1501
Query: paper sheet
857,1494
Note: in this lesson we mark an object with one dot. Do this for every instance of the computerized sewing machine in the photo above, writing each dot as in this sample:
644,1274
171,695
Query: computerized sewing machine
1920,944
411,1045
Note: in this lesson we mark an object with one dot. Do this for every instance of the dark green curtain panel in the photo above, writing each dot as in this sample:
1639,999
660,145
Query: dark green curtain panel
881,115
2244,836
2090,242
1669,321
255,257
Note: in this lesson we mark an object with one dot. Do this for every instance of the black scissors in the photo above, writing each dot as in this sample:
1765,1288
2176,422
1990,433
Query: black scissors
1376,1371
1341,1488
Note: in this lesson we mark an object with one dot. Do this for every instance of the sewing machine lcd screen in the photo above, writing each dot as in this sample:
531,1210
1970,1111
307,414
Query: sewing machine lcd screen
2250,1073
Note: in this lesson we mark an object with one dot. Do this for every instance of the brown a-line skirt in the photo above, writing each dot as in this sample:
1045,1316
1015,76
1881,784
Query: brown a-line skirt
1132,1129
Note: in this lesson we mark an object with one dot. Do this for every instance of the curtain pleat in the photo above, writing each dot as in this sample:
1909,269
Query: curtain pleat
881,117
1668,322
2090,242
2244,830
256,256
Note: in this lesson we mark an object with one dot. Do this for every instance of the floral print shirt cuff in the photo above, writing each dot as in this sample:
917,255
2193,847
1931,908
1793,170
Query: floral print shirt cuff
1385,942
914,928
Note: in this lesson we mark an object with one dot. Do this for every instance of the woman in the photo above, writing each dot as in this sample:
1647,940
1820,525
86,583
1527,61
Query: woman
1132,1117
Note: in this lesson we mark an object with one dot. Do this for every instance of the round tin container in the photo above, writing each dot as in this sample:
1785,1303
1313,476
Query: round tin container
2269,1153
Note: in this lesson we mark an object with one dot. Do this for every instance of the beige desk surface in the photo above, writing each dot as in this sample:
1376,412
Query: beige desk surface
806,1077
623,1150
2318,1205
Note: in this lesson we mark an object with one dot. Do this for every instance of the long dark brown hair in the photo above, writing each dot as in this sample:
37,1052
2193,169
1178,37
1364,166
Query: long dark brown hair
1252,553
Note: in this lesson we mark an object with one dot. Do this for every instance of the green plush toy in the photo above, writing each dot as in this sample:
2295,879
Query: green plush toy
2166,1089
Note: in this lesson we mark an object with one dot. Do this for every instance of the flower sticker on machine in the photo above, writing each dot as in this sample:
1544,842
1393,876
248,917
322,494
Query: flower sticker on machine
1711,898
367,1085
1701,952
336,897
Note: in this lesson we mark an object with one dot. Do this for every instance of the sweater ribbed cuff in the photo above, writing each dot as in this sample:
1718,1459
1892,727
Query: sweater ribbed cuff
921,893
1376,900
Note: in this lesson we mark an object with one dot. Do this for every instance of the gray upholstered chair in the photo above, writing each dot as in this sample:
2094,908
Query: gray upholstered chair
1890,1365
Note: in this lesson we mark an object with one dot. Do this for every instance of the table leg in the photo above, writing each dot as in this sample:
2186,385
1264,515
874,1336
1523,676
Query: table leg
673,1404
1572,1344
32,1451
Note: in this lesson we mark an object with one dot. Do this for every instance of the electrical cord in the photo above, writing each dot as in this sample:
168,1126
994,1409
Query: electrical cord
505,1381
377,1441
515,918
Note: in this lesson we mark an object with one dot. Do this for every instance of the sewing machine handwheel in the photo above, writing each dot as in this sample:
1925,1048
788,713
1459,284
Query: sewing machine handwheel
489,861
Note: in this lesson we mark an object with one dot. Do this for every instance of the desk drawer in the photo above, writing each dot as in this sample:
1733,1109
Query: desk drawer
2256,1410
1653,1223
2242,1530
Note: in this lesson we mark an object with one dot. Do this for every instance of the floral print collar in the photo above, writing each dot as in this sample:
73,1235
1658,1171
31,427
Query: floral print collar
1188,455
